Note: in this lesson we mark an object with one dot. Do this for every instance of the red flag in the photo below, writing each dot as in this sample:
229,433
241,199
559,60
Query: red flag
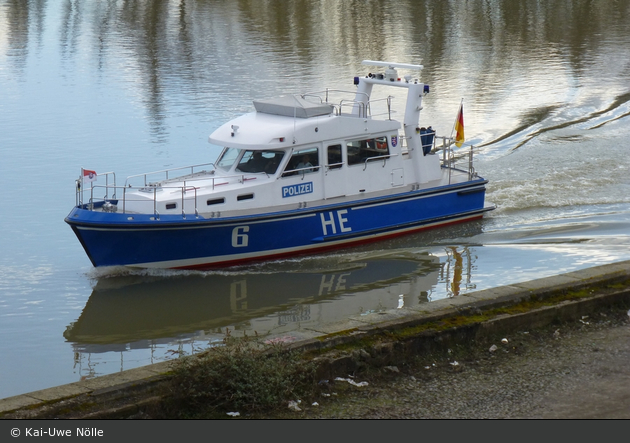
89,176
459,127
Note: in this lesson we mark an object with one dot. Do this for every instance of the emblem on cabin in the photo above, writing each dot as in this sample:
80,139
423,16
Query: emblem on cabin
394,141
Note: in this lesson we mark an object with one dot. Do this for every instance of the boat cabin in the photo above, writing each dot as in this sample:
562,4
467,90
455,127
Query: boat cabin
296,150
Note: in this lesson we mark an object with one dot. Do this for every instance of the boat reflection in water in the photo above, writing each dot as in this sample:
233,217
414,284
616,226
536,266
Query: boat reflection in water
136,311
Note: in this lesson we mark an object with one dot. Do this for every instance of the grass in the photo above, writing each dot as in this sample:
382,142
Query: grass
244,375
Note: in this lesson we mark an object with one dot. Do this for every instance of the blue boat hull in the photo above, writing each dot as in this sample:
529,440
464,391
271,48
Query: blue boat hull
113,239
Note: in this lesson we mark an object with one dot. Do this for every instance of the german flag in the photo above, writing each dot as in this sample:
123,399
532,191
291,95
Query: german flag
459,127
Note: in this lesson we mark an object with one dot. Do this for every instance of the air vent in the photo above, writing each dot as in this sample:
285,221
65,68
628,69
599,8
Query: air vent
245,197
216,201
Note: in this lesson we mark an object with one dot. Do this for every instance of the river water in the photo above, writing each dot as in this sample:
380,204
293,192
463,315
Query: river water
137,86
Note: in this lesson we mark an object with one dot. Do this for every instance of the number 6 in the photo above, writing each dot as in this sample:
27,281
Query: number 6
239,239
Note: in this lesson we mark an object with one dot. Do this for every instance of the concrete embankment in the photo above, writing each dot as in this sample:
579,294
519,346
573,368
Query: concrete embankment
376,339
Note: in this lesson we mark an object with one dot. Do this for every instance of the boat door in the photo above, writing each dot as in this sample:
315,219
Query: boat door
334,171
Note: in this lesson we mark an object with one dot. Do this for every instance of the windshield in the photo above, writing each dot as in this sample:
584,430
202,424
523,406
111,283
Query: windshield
260,161
227,158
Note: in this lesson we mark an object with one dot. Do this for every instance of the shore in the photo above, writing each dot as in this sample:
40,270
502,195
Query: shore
576,369
566,344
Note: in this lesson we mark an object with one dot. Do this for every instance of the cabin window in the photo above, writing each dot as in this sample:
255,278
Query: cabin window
335,159
260,161
359,151
227,158
303,161
245,197
171,206
216,201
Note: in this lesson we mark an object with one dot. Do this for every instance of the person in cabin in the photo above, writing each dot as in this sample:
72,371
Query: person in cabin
272,164
257,163
305,163
381,144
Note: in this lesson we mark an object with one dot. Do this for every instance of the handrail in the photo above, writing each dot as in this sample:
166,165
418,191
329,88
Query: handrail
334,166
378,157
155,211
312,94
306,170
166,172
184,190
361,106
327,92
450,157
188,185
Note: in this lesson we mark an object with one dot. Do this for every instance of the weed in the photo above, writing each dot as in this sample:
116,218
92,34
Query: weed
244,375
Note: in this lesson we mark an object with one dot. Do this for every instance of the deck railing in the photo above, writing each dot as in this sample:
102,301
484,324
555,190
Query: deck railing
341,99
167,173
115,198
112,197
450,157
